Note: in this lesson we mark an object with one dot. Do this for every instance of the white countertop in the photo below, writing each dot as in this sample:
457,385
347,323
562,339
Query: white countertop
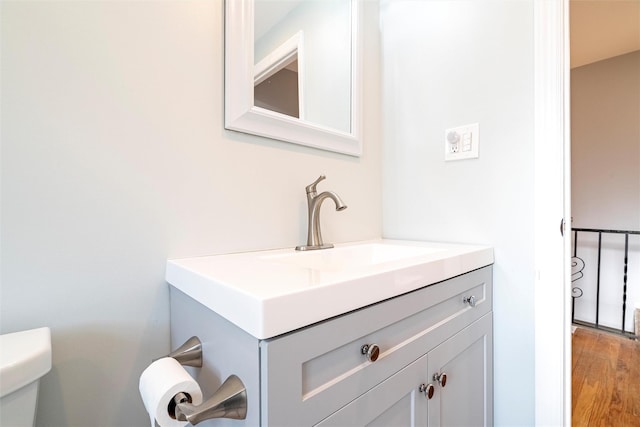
268,293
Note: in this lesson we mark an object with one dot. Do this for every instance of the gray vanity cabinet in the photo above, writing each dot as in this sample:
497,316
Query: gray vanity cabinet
312,373
402,399
320,375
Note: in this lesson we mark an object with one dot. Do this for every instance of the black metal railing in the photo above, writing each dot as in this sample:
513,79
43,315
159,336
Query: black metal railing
578,266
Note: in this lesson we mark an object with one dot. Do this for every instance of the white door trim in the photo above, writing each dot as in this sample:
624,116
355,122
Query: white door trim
552,203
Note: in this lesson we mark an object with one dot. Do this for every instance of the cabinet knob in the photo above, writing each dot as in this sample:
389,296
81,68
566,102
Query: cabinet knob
372,351
427,389
441,378
470,300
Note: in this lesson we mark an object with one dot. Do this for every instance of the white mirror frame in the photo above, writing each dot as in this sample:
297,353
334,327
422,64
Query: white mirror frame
241,114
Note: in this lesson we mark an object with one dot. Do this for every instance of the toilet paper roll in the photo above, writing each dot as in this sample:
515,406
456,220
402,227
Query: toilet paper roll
162,380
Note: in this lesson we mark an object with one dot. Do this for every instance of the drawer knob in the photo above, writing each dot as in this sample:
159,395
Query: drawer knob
441,378
372,351
427,389
470,300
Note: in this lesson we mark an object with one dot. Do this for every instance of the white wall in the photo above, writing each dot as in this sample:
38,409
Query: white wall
447,64
605,140
114,158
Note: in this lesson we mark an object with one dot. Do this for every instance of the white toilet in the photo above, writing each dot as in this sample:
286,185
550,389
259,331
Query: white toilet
24,358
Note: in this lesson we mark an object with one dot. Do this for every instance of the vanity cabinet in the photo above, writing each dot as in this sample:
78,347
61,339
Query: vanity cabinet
464,399
371,366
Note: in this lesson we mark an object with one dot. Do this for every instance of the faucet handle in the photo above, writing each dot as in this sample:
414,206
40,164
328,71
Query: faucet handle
311,188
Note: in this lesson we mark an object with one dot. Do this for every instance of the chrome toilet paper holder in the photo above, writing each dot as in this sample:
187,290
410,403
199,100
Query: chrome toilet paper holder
189,353
229,401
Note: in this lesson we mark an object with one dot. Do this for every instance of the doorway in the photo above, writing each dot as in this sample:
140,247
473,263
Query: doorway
605,131
605,186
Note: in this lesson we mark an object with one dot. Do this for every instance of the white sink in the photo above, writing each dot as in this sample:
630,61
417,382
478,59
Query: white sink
268,293
350,257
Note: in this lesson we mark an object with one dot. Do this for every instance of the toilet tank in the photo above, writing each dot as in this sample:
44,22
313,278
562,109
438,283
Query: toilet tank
24,358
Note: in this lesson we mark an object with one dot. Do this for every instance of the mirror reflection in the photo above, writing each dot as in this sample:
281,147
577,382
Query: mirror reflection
302,60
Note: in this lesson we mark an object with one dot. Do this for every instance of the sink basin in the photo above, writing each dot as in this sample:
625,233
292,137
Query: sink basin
350,257
268,293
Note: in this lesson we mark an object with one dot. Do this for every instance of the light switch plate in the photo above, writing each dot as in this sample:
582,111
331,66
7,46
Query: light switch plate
461,142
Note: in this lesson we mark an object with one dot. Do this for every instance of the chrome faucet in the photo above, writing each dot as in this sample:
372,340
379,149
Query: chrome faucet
314,201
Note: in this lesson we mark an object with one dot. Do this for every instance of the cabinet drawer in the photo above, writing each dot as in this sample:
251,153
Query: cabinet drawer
310,373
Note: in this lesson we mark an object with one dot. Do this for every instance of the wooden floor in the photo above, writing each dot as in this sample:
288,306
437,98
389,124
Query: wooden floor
606,380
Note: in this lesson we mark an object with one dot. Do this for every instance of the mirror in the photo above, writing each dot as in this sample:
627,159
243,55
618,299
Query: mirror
292,71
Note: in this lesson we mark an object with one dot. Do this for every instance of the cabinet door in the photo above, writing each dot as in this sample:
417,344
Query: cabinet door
397,401
466,397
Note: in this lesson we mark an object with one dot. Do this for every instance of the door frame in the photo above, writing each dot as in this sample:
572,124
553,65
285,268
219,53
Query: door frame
552,170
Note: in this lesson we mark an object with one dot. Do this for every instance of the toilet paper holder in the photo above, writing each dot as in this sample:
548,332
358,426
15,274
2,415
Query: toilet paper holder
229,401
189,353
